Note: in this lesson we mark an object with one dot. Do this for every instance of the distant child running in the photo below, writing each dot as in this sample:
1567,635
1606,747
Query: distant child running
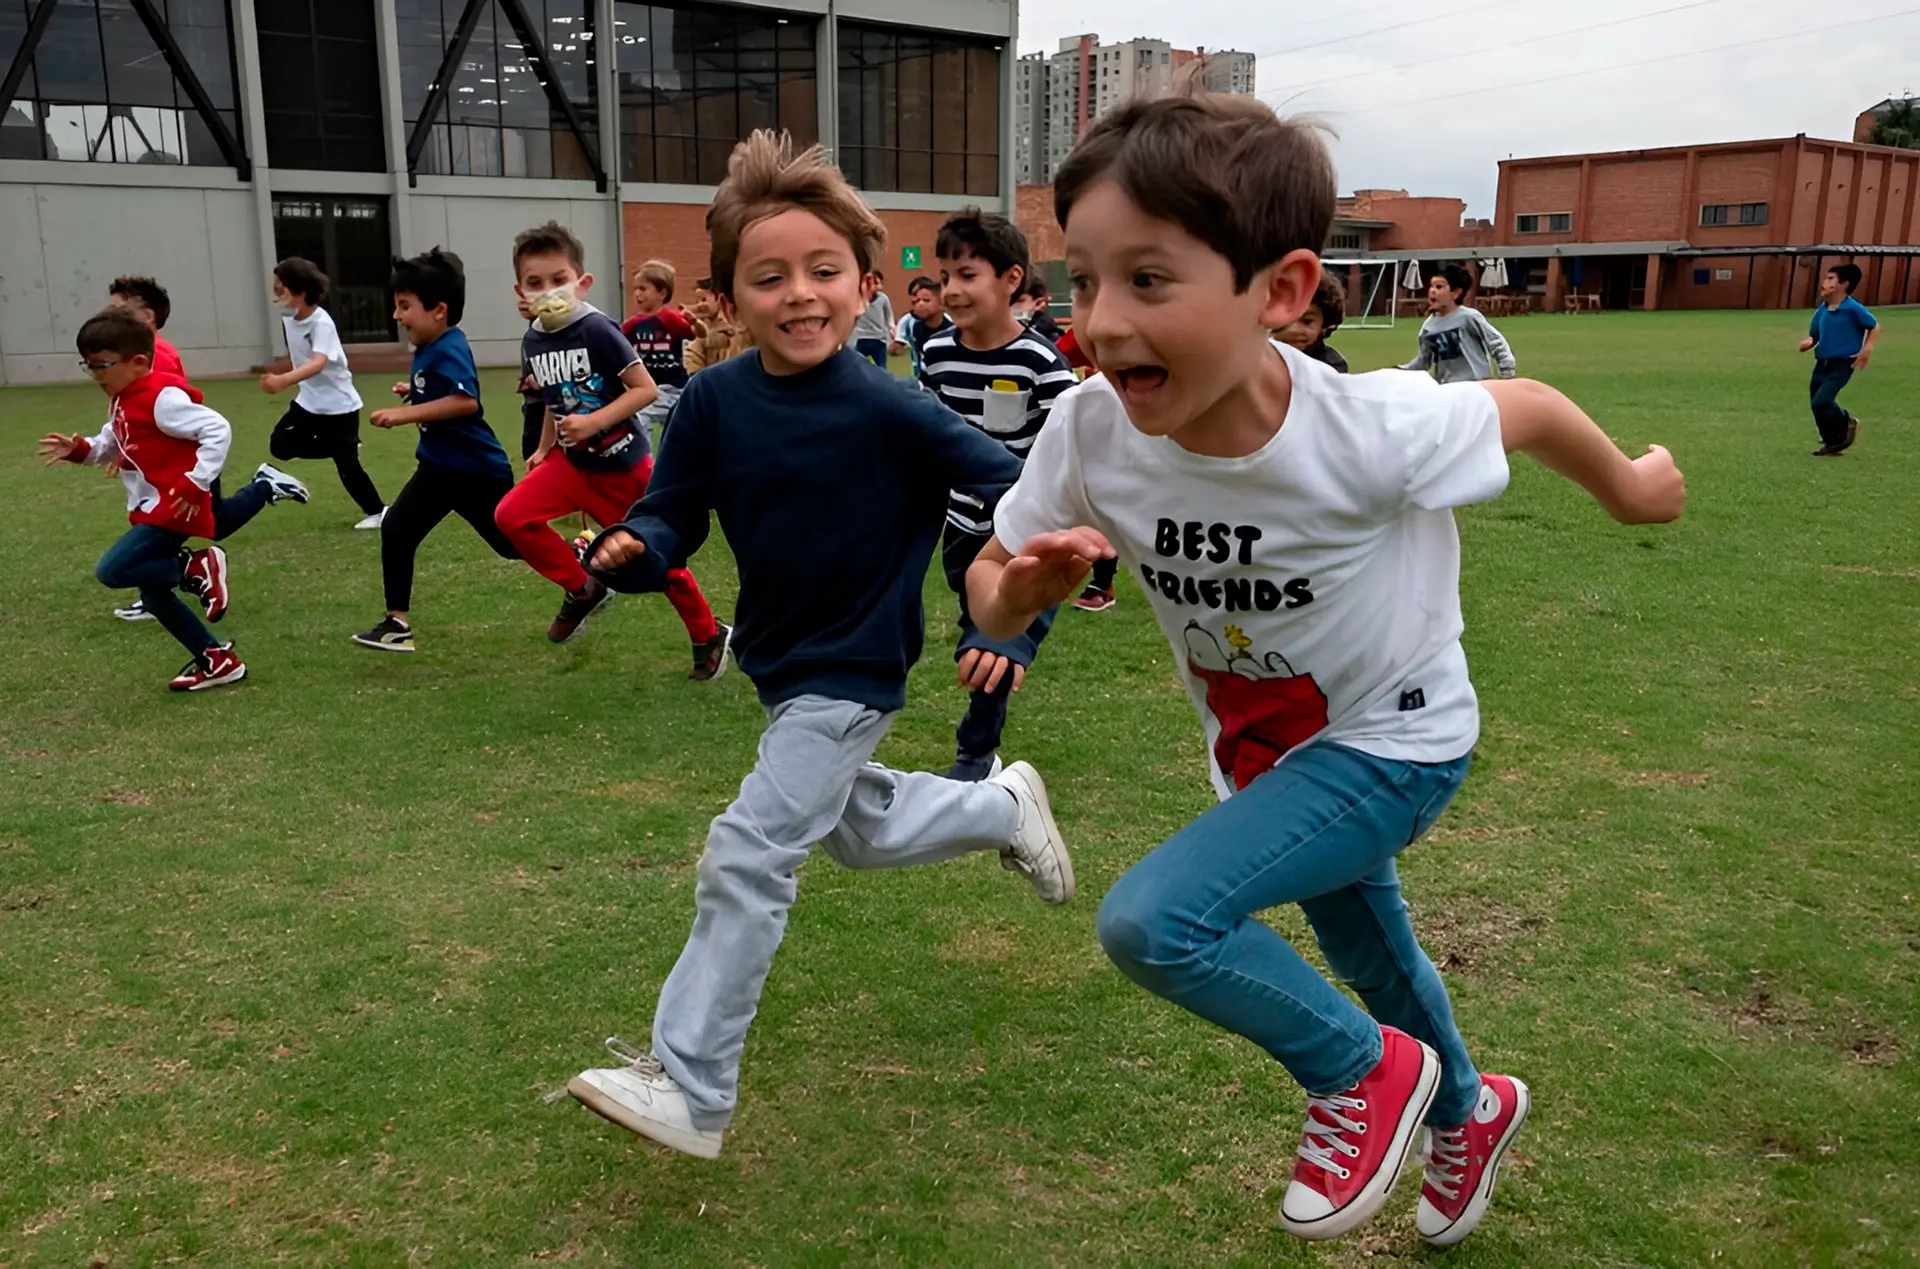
874,331
924,319
460,468
147,300
1841,338
716,336
1311,330
659,334
1458,344
1001,376
169,448
324,420
1294,532
594,456
829,478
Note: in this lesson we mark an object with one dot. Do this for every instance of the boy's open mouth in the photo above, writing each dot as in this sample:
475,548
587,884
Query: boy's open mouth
804,325
1141,379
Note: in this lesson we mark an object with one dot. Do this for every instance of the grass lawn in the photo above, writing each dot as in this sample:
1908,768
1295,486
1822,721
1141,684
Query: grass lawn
286,968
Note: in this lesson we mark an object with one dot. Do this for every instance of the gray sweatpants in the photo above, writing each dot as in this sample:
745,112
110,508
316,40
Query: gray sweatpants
813,783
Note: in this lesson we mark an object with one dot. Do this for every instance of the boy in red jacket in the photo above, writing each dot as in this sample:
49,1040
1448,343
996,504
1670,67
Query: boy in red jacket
168,448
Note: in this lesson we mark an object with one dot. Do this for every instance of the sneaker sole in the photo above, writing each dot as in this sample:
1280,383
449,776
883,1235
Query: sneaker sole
591,613
232,676
1038,788
281,486
1374,1195
1477,1208
619,1116
726,654
1106,607
137,616
377,646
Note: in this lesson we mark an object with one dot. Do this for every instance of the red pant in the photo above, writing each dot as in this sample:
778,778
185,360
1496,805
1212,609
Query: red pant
556,488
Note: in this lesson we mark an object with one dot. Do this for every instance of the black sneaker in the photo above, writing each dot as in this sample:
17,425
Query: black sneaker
135,611
973,768
710,658
391,635
577,607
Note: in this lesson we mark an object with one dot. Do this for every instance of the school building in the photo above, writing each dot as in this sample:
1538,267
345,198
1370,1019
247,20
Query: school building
202,140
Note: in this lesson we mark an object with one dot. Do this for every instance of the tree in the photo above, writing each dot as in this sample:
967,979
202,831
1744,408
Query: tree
1900,125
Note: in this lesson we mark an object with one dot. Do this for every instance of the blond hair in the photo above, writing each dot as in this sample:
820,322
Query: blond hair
658,274
764,178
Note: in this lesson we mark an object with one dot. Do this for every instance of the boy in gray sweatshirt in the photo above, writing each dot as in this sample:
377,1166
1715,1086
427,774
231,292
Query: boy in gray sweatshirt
1458,344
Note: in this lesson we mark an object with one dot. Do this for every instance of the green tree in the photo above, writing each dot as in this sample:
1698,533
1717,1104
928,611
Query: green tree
1900,126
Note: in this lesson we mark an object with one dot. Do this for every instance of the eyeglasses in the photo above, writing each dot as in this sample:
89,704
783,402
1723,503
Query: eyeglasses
97,368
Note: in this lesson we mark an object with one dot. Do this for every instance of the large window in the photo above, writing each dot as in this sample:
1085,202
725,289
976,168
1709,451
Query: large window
919,112
97,88
321,84
695,79
498,120
1712,214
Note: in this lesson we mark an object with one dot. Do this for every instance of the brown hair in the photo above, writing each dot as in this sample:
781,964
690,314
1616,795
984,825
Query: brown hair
658,273
302,277
550,239
147,292
114,330
1330,297
764,178
1226,169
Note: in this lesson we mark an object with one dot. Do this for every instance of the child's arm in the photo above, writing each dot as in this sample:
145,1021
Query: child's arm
1498,350
1421,359
1866,349
178,415
455,405
96,451
549,437
1005,592
1538,420
641,392
671,522
272,383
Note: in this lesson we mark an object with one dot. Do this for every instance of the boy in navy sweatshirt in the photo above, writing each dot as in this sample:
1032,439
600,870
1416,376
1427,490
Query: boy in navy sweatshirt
830,480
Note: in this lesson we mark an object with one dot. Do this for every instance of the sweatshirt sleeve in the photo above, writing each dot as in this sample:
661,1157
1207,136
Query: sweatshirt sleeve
179,415
96,451
675,323
1498,350
674,516
1421,359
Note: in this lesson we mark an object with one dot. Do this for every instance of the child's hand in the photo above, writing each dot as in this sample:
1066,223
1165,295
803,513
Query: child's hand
1806,345
1050,568
1861,359
983,670
270,383
388,418
1655,491
55,448
403,389
538,456
574,428
616,548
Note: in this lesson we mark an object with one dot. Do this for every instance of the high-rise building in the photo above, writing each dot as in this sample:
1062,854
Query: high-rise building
1057,95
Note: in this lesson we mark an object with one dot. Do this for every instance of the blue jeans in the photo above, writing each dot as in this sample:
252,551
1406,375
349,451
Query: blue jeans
874,350
1320,830
148,557
1830,374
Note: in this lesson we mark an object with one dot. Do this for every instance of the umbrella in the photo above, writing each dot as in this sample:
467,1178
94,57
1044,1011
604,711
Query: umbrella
1493,275
1411,278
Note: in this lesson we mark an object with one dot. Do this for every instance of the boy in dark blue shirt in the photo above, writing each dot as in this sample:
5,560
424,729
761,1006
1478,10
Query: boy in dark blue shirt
830,479
1841,337
594,385
461,467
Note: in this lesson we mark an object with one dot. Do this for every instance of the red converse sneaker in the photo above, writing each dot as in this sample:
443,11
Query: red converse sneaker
212,668
1464,1162
1355,1143
205,576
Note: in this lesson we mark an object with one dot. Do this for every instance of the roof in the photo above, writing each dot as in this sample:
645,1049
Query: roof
1588,250
1817,249
1760,143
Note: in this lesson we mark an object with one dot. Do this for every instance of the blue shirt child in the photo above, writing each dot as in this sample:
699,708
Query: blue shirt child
1841,332
442,369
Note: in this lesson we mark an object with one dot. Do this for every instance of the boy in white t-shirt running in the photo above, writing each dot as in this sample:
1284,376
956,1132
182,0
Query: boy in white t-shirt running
323,421
1293,530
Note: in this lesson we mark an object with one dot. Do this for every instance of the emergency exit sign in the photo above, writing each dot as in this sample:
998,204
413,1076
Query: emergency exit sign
909,257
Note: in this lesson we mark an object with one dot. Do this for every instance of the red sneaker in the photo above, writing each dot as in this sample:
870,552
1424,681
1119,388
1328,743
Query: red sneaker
1355,1143
205,575
212,668
1464,1162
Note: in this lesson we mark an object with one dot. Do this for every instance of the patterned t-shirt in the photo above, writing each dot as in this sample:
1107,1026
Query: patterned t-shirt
578,368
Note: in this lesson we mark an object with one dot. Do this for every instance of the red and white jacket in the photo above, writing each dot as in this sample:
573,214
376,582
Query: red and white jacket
167,445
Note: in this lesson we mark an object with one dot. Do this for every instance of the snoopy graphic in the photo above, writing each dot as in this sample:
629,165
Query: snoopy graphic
1263,706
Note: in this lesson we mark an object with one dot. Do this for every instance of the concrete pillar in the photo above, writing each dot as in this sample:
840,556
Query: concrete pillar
253,123
394,111
606,91
1009,65
1556,285
1651,301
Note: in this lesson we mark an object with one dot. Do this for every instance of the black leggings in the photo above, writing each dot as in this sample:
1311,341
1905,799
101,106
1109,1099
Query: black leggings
428,498
300,434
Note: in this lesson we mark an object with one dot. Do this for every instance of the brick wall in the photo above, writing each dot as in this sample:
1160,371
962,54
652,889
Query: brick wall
1418,223
1539,189
1033,212
1635,200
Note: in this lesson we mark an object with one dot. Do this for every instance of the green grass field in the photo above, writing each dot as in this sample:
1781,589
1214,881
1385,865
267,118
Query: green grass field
286,968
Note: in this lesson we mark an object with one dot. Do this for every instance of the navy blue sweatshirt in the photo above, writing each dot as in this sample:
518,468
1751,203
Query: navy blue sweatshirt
831,487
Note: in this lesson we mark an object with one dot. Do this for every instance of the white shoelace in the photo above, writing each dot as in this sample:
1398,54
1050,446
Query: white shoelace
645,1065
1330,1128
1447,1162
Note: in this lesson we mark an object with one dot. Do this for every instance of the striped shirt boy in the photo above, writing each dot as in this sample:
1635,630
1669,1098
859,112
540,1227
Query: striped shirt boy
1006,392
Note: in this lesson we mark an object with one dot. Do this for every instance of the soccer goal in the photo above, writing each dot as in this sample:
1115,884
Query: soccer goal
1373,305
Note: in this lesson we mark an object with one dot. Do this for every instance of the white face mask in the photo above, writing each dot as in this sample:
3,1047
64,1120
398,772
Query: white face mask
291,310
553,309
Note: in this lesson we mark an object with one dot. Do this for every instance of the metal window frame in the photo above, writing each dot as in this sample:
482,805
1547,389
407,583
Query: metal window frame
535,51
176,59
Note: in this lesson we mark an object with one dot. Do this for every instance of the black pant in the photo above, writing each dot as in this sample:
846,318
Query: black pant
533,420
300,434
1830,374
1103,573
230,515
428,498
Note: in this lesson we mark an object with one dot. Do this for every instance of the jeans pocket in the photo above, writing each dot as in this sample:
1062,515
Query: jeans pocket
1442,780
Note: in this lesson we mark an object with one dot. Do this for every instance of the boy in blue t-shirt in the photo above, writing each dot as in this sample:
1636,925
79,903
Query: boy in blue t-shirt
1841,337
462,468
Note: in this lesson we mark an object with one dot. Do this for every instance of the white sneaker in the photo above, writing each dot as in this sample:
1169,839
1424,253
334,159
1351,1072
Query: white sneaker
1037,849
280,486
135,611
641,1097
373,521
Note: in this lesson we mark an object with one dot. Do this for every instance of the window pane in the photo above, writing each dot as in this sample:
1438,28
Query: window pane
69,66
983,175
983,101
926,101
950,100
199,27
19,131
916,171
422,44
949,173
474,97
916,94
137,75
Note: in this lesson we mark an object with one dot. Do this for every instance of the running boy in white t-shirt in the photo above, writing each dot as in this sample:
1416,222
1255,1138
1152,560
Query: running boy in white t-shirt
1293,530
324,420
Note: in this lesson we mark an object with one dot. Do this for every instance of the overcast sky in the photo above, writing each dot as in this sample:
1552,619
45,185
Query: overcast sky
1428,95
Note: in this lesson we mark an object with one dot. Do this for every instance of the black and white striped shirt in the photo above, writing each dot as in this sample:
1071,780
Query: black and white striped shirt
1006,392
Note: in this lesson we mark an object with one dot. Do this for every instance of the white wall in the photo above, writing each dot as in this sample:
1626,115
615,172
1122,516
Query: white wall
60,245
481,231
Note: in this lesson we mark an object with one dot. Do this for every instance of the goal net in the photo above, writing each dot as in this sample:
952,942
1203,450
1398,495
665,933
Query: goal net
1372,304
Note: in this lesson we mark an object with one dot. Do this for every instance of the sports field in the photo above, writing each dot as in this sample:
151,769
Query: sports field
286,968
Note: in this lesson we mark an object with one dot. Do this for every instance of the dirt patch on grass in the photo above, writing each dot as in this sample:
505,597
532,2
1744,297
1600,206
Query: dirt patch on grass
1869,570
1666,779
1477,935
1766,1009
650,790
